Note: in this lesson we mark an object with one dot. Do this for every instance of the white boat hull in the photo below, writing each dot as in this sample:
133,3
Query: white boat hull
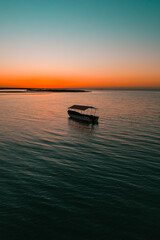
83,117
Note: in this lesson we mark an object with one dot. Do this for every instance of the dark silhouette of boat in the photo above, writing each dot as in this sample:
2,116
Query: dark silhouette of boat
83,113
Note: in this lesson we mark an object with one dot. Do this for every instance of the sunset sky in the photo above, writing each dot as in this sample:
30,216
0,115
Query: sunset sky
80,43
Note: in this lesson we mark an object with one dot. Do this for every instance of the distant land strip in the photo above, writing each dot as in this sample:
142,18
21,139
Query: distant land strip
20,90
25,90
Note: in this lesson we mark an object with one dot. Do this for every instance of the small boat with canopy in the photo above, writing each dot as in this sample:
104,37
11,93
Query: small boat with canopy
83,113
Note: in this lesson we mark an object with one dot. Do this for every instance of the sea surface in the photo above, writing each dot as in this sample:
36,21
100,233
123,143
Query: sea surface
63,179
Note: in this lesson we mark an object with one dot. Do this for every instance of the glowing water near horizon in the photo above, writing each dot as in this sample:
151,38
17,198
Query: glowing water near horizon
61,179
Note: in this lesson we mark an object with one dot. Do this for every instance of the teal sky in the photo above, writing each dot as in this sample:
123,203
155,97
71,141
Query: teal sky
119,33
130,17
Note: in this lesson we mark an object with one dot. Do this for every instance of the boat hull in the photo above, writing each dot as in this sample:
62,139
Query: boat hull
83,117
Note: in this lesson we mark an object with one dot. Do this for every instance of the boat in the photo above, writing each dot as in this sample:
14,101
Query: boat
83,113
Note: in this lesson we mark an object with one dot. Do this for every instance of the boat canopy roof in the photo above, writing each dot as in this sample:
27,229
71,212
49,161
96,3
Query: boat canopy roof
81,107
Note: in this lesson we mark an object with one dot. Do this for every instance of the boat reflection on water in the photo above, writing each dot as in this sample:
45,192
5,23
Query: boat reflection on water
81,125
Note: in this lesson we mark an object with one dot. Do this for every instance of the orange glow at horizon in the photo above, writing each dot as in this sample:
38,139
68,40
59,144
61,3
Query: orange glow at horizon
64,68
124,81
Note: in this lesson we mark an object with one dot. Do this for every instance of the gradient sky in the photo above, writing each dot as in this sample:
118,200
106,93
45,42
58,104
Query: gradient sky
80,43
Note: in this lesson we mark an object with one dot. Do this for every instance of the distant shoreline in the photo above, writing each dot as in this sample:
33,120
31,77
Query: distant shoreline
27,90
34,90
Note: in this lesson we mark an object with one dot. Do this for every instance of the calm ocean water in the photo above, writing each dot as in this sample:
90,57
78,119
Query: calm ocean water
61,179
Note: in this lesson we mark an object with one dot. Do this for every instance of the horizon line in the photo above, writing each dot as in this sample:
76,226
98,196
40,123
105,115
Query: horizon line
87,88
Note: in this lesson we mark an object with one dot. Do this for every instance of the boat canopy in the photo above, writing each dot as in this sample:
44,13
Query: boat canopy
80,107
